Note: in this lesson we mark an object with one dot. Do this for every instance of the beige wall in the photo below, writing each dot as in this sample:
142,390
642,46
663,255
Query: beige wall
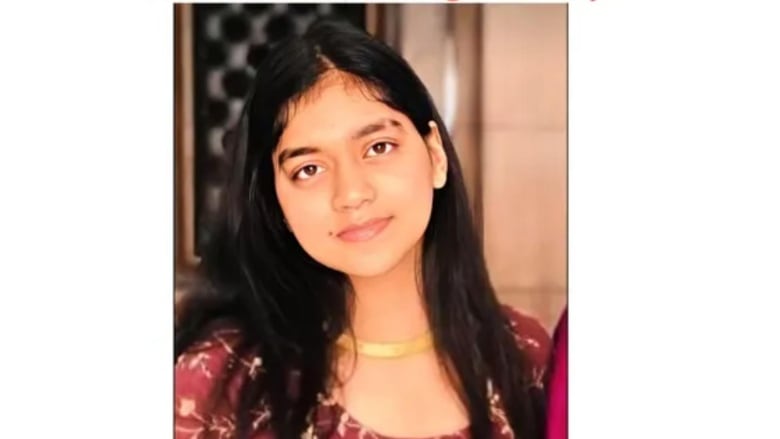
524,154
510,132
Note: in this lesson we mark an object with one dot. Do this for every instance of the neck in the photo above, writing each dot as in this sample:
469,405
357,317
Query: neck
390,307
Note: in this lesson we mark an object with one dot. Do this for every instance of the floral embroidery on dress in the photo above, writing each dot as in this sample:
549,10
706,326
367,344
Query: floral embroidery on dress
497,412
198,369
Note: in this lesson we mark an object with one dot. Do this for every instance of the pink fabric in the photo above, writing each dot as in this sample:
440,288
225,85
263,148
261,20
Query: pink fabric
558,420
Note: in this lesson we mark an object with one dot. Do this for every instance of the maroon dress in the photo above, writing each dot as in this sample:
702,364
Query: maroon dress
199,369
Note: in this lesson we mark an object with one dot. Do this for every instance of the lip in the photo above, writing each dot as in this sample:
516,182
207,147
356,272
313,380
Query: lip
364,231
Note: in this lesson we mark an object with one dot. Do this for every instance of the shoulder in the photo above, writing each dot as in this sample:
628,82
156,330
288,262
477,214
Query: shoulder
532,338
208,360
207,380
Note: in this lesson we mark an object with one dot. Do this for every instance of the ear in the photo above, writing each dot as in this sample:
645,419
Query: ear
438,156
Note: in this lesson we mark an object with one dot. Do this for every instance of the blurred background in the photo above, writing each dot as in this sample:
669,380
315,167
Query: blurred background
498,74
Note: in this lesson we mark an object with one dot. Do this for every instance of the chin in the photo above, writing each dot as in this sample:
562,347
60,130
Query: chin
366,264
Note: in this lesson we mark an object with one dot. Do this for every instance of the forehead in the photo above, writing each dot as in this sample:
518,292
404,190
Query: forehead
332,110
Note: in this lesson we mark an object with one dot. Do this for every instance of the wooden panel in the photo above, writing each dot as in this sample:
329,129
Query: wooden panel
184,139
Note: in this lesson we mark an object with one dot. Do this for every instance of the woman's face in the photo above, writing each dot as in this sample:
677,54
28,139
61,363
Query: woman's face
355,179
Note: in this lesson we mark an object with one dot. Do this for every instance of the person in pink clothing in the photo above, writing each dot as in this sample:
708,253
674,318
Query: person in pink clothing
557,414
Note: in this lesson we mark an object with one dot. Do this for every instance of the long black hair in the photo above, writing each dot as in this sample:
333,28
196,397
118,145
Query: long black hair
292,308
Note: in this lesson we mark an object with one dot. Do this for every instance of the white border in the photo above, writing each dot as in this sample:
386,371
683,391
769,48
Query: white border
674,219
87,220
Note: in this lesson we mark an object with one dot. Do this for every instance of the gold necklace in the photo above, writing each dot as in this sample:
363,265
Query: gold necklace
386,350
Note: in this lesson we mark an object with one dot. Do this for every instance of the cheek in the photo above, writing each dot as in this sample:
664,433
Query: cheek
408,192
407,187
414,176
307,212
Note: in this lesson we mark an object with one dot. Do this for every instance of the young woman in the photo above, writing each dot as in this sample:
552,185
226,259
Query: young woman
346,292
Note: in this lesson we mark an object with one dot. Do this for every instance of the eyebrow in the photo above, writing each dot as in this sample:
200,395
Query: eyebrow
295,152
374,127
358,134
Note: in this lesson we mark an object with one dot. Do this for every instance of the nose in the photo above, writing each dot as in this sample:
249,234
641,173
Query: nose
353,188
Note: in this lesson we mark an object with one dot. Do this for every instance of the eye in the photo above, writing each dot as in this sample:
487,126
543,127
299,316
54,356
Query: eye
380,148
307,172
